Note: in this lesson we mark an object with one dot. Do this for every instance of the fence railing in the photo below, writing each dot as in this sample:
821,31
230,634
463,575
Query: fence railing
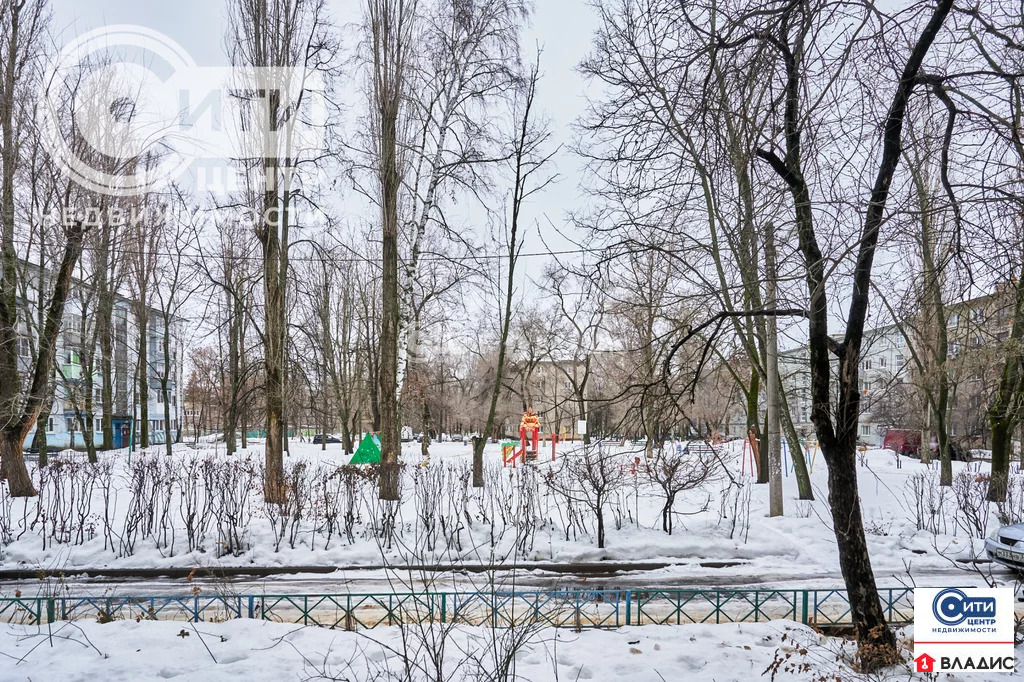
558,608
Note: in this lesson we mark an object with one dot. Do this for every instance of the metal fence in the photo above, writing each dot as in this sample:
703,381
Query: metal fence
559,608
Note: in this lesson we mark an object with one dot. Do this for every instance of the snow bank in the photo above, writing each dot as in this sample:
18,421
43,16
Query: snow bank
259,650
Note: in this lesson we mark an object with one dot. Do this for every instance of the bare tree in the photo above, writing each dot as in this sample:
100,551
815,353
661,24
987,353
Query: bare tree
174,285
467,55
789,69
676,472
282,42
582,307
528,161
391,25
589,478
789,33
22,28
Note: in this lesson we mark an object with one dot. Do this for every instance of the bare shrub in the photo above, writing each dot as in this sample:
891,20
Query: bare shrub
673,472
588,478
972,506
927,501
1011,509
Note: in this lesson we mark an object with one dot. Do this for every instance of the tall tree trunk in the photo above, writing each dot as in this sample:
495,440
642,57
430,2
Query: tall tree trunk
838,438
19,416
481,440
143,321
425,432
753,424
938,346
285,412
388,378
104,330
773,382
1006,405
89,417
273,362
234,370
164,381
390,25
39,441
796,451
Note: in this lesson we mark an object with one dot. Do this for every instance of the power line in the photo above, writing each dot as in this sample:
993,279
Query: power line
337,259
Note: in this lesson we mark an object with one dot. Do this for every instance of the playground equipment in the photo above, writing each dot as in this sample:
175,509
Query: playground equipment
750,453
529,441
368,451
529,435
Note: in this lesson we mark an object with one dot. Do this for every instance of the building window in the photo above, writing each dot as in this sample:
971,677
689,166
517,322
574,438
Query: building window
867,364
977,341
954,320
1002,336
978,314
881,362
865,430
954,350
899,359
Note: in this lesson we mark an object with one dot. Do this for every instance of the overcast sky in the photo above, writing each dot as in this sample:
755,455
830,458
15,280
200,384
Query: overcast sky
562,28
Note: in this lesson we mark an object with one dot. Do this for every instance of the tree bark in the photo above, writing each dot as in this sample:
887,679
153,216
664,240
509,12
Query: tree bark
773,391
164,381
796,451
273,354
19,417
390,25
838,439
1007,403
143,322
104,330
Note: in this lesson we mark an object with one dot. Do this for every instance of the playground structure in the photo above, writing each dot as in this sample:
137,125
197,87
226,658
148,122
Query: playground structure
368,451
529,441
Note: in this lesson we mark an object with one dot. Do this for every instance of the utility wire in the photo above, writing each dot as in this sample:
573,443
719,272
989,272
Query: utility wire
338,259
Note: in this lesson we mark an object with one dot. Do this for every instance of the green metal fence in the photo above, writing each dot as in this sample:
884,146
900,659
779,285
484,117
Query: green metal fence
557,608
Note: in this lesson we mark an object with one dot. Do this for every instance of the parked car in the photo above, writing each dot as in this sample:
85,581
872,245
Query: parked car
903,442
908,444
318,439
1006,546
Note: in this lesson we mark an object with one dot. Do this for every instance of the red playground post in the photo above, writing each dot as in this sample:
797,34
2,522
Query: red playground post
554,442
529,435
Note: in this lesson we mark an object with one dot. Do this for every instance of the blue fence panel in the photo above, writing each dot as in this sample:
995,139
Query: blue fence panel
556,608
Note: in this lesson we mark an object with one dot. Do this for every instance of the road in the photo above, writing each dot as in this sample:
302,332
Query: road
375,580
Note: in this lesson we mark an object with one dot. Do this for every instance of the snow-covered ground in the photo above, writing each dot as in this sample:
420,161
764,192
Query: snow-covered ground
259,650
918,533
912,524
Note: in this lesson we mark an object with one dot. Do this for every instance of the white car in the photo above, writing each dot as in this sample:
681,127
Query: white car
1006,546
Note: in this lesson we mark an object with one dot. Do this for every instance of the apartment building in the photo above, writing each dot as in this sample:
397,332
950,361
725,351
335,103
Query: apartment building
976,329
65,425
